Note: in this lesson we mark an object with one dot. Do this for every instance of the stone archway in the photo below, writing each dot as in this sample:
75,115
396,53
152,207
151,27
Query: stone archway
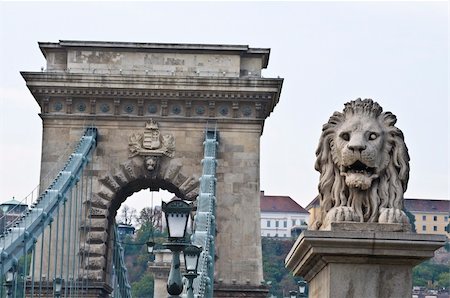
118,88
113,188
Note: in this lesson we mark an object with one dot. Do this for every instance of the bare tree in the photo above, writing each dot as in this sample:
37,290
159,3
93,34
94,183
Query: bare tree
127,215
150,216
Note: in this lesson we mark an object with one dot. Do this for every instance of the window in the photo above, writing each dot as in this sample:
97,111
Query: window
268,223
293,222
434,228
435,218
276,235
268,234
424,217
284,235
285,224
277,223
424,228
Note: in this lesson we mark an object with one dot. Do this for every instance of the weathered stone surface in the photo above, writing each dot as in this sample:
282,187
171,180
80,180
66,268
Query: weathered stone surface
93,249
120,87
94,263
364,167
343,263
96,237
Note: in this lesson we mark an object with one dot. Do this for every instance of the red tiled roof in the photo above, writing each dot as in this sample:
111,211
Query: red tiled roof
424,205
280,204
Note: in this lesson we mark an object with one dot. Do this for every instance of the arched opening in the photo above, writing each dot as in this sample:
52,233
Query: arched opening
145,198
112,190
134,246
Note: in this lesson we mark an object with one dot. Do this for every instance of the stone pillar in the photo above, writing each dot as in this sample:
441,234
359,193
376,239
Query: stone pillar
160,269
360,259
87,290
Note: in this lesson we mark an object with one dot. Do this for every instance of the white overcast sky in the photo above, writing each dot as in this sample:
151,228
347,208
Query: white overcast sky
327,52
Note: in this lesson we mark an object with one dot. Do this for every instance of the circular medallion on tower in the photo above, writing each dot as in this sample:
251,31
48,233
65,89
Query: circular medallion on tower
58,106
104,107
200,110
223,110
81,107
128,108
246,111
152,108
176,109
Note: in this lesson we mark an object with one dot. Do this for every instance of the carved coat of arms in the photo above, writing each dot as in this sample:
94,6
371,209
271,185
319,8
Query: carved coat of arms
151,142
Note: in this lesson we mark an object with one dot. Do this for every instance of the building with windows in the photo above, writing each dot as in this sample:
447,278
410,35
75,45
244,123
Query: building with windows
281,216
313,208
11,212
432,216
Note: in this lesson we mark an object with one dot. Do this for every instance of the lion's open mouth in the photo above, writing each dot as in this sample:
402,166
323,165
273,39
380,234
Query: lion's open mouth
359,167
358,175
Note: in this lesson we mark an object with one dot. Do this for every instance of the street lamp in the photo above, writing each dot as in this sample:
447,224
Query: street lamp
150,246
10,277
302,288
176,213
293,294
57,286
191,256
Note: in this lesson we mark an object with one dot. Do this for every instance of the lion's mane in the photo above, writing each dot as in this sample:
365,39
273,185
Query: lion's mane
386,191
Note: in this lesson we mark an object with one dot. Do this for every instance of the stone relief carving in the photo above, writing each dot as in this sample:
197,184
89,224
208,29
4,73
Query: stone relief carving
364,167
151,145
151,142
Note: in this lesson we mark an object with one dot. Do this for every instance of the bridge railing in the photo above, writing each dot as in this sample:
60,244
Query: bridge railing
121,286
204,222
19,238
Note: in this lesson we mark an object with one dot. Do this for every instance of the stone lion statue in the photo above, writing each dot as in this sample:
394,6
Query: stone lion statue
364,167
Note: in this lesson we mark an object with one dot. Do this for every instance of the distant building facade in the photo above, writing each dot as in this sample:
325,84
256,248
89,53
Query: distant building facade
282,217
431,216
125,230
314,209
10,212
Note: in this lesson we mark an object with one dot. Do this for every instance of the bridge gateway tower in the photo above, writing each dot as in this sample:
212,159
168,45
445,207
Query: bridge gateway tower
150,104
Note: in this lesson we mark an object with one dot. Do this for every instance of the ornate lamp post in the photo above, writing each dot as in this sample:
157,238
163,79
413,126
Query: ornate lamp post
191,256
150,247
177,215
303,288
10,277
57,286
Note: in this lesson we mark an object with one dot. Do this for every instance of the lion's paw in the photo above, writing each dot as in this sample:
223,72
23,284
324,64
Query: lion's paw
340,214
393,215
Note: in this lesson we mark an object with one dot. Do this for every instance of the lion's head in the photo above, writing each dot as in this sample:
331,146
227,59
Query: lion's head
363,163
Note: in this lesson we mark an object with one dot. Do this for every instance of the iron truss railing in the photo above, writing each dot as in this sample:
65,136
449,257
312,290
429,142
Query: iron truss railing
120,270
204,222
20,237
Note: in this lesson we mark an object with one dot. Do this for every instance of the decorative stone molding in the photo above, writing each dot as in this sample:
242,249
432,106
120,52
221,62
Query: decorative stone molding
134,169
151,143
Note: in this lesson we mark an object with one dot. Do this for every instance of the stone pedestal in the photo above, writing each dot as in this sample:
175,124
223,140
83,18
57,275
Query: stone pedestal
88,289
225,290
360,260
160,269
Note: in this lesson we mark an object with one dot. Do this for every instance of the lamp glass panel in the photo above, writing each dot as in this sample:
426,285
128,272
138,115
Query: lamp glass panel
177,224
9,276
150,249
191,262
302,289
58,285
